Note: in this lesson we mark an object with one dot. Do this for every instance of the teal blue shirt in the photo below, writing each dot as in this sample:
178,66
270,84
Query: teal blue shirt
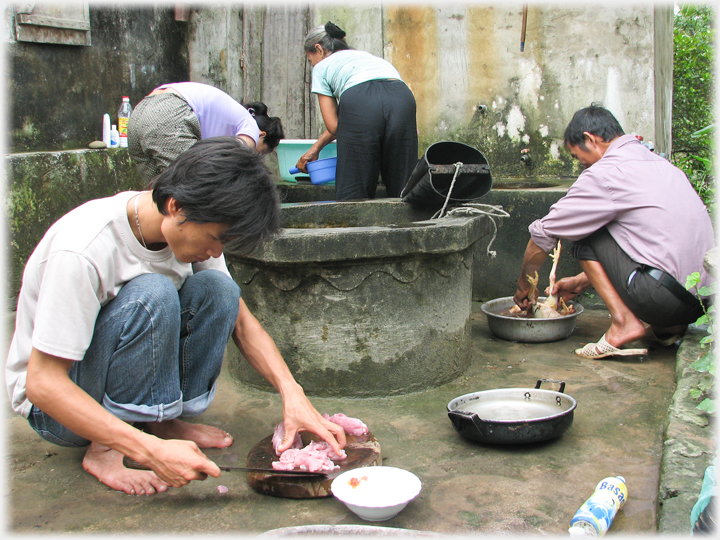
345,69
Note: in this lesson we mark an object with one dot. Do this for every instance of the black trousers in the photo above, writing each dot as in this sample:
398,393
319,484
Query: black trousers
648,299
376,135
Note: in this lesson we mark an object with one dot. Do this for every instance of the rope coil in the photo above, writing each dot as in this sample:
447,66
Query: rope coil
487,210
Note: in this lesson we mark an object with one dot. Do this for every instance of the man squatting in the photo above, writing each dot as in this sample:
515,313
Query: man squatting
124,313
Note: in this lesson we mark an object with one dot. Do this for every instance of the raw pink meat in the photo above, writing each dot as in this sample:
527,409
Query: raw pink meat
316,456
352,426
278,435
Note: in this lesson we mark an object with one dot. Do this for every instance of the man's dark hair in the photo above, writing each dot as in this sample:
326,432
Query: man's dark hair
220,180
594,119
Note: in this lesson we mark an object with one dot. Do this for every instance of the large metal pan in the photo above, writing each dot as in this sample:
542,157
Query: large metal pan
513,415
526,329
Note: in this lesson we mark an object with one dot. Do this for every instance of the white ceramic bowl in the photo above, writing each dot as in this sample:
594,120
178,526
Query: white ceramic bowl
376,493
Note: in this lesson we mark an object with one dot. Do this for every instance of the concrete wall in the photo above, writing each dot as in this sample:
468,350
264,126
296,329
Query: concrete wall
44,186
57,94
464,64
462,60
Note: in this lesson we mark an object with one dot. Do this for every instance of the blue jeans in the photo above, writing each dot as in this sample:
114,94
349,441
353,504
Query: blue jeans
156,352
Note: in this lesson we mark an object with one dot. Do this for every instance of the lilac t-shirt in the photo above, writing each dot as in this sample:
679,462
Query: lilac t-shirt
647,204
218,113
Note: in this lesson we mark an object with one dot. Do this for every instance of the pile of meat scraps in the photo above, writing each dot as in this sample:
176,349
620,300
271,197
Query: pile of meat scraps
316,456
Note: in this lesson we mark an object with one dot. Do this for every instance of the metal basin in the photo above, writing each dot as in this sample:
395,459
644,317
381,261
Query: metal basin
527,330
513,415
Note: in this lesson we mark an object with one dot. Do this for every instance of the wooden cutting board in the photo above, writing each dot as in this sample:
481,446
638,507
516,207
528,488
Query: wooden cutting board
362,451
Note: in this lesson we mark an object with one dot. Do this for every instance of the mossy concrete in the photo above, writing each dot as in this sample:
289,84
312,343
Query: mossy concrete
689,442
43,186
690,433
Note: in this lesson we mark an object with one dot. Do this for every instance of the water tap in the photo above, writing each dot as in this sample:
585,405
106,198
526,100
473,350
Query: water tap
525,156
479,114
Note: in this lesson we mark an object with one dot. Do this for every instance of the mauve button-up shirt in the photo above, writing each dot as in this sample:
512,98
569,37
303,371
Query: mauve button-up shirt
648,205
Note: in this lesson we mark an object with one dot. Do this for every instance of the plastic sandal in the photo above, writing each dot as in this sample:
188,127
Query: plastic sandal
603,349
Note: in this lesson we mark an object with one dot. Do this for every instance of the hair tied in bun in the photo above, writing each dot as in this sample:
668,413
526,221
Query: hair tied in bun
334,31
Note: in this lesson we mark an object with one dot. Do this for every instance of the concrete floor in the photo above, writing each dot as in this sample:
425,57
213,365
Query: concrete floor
468,488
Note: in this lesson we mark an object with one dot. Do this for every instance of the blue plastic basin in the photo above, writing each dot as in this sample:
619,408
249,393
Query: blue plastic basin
322,171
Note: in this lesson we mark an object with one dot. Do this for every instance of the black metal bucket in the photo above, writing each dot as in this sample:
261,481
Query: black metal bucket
432,177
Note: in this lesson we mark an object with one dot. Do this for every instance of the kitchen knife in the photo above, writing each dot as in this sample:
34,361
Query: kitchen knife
132,464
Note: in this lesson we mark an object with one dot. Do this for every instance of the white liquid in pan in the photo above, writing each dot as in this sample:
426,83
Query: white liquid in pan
506,410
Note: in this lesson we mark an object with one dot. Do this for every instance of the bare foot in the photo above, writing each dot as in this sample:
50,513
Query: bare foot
204,436
106,465
631,330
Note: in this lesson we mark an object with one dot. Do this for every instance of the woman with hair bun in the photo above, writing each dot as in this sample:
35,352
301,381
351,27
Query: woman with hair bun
175,116
369,110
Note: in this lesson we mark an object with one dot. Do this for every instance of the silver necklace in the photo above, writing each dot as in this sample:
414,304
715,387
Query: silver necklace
137,220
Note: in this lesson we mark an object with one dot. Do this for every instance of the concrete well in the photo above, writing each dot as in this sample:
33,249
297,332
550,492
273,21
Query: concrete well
363,298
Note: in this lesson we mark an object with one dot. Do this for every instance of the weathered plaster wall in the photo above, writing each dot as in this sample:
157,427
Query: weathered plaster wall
474,84
462,60
57,94
464,64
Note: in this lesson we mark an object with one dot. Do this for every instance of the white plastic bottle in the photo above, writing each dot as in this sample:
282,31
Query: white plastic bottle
114,137
597,513
123,117
106,130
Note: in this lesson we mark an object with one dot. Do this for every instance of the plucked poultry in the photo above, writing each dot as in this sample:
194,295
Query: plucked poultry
552,306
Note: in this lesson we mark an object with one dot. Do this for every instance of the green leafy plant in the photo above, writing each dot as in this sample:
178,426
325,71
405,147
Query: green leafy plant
693,126
700,170
706,362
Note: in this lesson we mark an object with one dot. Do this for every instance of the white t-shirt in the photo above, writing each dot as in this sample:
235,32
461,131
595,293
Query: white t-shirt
81,264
